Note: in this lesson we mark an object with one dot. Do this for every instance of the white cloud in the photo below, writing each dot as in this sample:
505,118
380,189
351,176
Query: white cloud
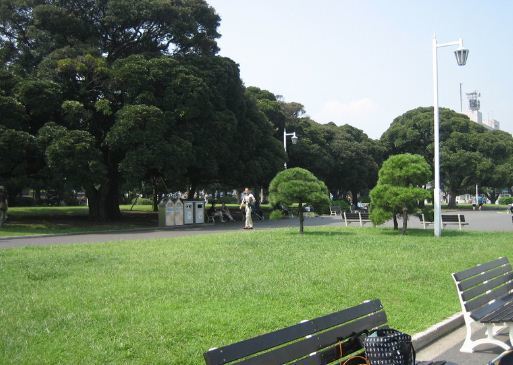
360,113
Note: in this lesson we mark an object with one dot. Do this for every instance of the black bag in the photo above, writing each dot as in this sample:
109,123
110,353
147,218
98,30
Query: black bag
389,347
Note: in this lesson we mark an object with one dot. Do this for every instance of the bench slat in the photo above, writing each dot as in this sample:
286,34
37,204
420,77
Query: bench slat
490,308
484,299
483,288
315,343
473,281
504,314
270,340
462,275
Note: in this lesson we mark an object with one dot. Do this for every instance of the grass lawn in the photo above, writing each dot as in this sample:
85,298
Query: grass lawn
25,221
167,301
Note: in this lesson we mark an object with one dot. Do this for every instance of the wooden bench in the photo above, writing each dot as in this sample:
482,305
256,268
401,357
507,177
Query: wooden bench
485,293
357,217
318,341
447,219
335,210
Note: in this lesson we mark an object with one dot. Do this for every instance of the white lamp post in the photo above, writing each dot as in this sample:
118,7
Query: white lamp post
461,57
293,139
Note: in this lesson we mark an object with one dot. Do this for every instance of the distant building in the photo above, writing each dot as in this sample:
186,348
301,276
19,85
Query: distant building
474,104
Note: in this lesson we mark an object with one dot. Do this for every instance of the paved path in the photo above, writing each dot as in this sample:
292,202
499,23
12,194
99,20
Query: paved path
161,232
448,348
478,221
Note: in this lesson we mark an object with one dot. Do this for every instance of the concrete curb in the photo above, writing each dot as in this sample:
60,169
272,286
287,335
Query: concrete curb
435,332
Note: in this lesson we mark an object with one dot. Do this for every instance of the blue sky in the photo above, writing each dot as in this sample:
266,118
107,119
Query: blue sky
366,62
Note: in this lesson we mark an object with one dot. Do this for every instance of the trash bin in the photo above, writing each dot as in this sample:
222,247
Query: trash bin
162,212
199,212
188,212
178,213
170,213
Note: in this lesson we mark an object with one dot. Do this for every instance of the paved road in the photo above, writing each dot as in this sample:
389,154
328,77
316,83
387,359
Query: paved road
448,348
478,220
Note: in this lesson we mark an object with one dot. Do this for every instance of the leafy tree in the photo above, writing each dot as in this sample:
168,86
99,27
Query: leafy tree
19,161
469,153
60,59
297,185
399,188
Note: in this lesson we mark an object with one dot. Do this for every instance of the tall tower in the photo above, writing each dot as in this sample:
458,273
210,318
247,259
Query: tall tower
473,107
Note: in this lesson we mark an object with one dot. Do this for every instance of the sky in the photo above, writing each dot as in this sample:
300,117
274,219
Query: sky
365,62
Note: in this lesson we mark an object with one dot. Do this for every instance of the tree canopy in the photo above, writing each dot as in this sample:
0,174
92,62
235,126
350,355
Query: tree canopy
119,92
399,189
469,153
297,185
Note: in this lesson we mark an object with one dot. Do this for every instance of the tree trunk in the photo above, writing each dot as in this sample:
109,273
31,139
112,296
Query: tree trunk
301,218
155,195
354,195
405,220
104,202
452,199
396,225
192,191
492,195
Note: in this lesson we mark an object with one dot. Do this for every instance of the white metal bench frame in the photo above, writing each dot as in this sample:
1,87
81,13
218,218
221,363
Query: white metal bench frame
360,220
460,222
492,329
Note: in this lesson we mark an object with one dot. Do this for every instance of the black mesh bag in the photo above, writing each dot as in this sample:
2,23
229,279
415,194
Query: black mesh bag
389,347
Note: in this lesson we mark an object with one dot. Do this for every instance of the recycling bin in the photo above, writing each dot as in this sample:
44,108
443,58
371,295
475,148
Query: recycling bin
170,213
199,212
178,213
188,212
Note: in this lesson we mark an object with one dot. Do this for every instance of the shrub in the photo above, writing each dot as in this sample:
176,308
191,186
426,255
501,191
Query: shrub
365,199
228,199
505,200
343,204
142,201
276,214
23,201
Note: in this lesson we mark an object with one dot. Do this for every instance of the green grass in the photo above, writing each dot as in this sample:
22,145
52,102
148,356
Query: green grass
25,221
167,301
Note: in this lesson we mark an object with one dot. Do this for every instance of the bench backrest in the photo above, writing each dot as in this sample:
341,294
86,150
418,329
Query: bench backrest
482,284
352,216
453,218
314,342
336,209
365,216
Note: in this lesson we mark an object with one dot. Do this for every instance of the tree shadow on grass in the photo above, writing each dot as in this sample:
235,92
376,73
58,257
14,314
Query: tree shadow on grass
416,232
323,233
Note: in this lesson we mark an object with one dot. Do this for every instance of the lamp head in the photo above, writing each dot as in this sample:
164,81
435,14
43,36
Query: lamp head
461,56
294,138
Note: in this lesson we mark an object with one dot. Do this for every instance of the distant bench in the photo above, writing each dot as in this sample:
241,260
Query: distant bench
319,341
447,219
357,217
335,210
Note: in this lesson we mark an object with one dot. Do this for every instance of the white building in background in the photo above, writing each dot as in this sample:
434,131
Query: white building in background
474,104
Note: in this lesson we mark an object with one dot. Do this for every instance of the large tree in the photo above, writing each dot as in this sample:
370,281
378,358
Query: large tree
469,153
139,84
64,52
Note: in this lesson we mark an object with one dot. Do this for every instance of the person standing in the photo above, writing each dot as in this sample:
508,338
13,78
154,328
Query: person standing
248,200
3,206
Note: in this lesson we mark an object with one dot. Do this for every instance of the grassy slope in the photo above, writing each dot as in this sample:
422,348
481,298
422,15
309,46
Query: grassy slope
167,301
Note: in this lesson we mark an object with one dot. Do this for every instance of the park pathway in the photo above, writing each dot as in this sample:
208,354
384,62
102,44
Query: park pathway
478,221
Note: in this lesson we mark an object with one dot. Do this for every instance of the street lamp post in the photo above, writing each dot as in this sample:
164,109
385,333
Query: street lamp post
461,57
293,139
